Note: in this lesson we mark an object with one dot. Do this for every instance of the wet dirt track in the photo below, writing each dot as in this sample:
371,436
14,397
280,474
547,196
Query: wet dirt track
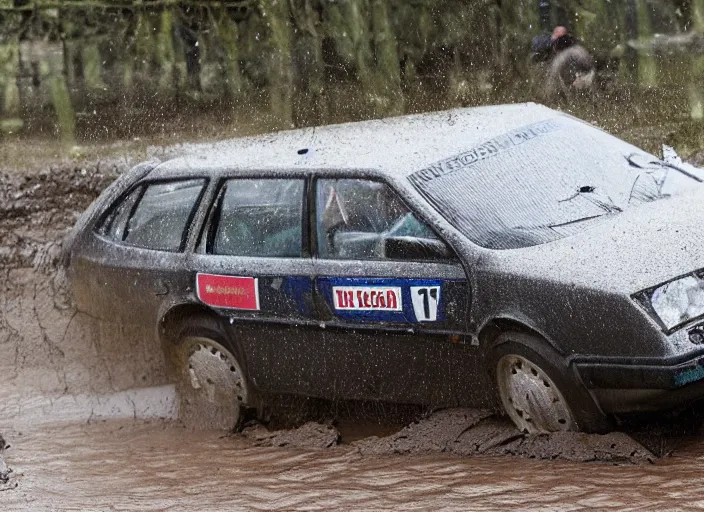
155,466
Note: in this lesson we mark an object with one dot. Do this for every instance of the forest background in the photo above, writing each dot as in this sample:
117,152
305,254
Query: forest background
92,71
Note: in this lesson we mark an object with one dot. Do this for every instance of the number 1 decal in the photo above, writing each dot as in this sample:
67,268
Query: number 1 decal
425,302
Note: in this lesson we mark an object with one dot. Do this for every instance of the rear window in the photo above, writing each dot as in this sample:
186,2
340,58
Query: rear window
155,216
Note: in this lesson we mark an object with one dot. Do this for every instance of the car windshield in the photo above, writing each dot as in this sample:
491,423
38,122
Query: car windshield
543,182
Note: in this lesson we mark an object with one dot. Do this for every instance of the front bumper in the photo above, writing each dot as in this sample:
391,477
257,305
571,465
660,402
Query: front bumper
643,385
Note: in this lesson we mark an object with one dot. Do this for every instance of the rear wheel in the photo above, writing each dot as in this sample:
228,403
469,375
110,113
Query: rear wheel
538,391
210,380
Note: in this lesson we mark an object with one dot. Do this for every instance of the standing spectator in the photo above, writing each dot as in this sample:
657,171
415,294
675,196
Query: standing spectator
570,66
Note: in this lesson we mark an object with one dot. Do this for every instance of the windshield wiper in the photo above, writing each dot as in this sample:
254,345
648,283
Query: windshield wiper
559,224
660,163
576,221
589,193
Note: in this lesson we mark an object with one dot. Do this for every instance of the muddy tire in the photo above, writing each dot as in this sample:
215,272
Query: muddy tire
210,379
538,391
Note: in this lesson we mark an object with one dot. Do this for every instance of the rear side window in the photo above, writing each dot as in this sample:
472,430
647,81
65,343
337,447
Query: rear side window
155,216
259,217
114,225
162,215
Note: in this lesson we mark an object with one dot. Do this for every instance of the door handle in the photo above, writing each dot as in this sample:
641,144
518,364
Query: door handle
161,289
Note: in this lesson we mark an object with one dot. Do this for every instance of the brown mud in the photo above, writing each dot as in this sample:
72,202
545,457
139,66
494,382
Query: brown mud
57,364
48,350
5,471
463,432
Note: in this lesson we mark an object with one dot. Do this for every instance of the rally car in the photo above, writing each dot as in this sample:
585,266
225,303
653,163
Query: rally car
508,255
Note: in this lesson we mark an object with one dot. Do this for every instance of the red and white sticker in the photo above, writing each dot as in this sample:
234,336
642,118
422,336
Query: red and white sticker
228,291
367,298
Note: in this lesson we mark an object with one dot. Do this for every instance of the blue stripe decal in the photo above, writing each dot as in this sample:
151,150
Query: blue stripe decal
298,288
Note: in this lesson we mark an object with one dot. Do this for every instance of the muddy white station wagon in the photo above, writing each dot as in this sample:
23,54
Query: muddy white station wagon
508,255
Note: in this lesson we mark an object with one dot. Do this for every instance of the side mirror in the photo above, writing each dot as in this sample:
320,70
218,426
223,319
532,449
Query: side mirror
670,156
412,248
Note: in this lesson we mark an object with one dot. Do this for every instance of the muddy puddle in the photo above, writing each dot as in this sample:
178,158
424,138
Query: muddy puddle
117,446
160,466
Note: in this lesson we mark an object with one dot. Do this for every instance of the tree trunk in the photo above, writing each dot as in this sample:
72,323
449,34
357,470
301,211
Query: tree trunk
647,67
545,15
227,35
512,61
143,45
166,54
628,70
11,93
310,76
696,76
51,66
388,69
348,24
277,15
92,67
127,65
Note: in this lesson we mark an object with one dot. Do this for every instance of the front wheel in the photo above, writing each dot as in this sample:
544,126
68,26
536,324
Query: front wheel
538,391
530,397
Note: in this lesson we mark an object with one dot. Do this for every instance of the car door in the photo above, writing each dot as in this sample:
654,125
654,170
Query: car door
393,298
136,256
254,268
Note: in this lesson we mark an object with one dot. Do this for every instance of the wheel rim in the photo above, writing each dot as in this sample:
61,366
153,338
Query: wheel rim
213,389
531,398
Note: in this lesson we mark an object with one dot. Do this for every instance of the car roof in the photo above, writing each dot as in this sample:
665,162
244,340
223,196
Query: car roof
395,146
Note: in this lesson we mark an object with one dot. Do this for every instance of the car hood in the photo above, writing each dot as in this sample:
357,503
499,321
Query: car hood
631,251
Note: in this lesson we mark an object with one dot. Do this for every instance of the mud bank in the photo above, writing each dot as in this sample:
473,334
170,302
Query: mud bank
463,432
55,361
38,209
310,435
471,432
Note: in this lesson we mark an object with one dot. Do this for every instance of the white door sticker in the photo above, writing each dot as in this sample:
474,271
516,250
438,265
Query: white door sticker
367,298
425,302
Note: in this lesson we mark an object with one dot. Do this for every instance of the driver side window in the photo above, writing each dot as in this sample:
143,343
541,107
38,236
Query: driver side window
360,219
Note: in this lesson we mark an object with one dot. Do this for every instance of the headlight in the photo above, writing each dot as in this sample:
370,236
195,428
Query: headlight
677,302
